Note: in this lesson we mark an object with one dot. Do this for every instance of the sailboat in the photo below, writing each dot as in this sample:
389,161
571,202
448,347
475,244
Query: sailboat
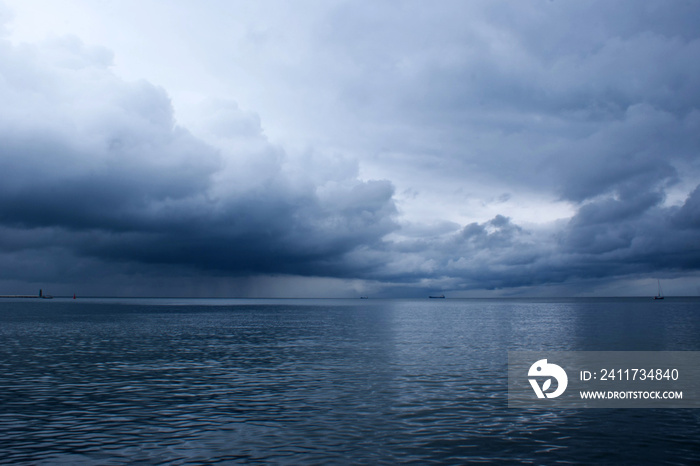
659,295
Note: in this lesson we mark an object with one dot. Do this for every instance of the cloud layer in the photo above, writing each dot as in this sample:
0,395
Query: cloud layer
429,132
96,166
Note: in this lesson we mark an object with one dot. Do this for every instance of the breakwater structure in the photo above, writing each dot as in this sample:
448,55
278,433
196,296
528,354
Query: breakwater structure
41,295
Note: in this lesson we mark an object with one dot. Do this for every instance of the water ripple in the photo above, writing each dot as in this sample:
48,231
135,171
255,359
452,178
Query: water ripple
290,384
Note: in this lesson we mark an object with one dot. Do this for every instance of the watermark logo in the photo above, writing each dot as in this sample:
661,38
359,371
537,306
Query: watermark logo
603,379
544,369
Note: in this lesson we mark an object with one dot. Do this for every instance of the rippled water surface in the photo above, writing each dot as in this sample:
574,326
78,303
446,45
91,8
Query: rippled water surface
108,381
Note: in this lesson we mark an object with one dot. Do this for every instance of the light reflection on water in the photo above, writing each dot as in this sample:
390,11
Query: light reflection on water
321,381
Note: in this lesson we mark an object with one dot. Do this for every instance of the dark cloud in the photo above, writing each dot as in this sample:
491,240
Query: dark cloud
115,179
595,104
688,217
612,237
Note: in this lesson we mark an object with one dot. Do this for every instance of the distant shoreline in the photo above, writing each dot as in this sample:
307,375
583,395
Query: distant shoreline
41,295
453,298
19,296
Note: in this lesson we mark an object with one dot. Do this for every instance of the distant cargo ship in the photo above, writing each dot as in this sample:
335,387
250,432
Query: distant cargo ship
442,296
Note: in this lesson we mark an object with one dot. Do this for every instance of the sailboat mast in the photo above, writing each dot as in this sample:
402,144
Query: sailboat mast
659,295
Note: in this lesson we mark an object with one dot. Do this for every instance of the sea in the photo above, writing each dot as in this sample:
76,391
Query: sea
109,381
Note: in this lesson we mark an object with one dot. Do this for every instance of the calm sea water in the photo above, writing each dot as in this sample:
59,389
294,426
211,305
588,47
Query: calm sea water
108,381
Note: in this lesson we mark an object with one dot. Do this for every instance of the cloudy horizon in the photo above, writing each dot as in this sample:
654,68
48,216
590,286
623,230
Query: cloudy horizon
344,149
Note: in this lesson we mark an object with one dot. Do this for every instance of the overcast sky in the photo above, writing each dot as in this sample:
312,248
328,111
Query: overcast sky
347,148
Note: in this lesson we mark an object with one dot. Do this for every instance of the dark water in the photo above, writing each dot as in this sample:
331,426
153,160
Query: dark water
321,381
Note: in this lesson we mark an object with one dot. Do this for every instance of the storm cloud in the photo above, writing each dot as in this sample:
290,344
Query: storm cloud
411,148
97,166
